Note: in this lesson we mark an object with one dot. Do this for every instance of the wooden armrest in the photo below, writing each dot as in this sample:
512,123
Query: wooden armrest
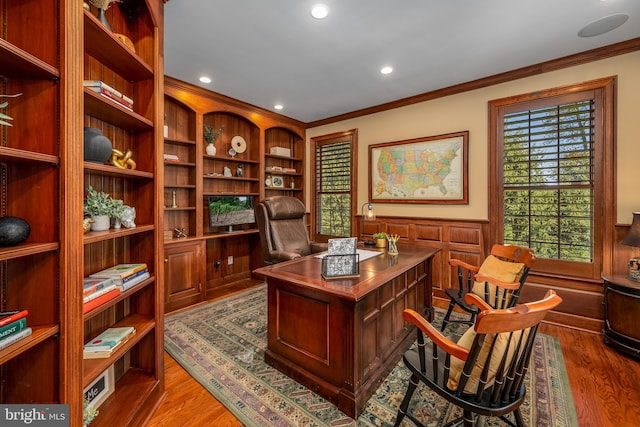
410,316
507,285
473,299
458,263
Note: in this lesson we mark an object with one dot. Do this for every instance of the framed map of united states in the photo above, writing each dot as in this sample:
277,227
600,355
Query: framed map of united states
423,170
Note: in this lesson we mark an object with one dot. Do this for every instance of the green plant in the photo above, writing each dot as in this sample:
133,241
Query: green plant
209,135
88,414
99,203
117,208
380,235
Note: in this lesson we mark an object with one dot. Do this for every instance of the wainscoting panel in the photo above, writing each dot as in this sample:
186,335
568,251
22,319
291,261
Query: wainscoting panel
469,240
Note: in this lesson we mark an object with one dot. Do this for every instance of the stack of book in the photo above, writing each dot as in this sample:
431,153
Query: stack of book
171,158
107,342
109,92
98,291
13,327
124,276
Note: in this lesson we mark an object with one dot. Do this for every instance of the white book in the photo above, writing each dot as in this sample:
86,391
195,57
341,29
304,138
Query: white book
6,342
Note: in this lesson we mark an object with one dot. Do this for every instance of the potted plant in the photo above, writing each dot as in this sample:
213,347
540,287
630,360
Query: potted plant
100,206
381,240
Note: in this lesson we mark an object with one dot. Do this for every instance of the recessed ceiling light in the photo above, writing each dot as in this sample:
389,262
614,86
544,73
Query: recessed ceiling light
205,79
386,70
278,107
319,11
603,25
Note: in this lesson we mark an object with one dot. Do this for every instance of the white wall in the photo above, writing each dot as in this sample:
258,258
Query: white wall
469,111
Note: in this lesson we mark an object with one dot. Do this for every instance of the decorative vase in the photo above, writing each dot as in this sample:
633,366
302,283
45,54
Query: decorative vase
211,149
13,230
102,17
100,223
381,243
97,147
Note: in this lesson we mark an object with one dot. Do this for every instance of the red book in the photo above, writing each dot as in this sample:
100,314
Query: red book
12,318
96,302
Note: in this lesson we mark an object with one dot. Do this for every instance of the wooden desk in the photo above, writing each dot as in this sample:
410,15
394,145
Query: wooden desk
340,338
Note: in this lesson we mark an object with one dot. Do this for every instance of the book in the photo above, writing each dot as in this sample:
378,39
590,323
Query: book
102,299
109,92
104,344
129,283
119,271
98,293
13,328
15,337
17,314
91,285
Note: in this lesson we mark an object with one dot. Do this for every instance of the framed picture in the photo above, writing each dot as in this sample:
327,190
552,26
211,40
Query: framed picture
100,389
277,181
432,169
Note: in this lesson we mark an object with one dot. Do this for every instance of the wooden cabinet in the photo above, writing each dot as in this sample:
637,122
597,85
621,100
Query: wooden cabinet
183,274
228,259
621,307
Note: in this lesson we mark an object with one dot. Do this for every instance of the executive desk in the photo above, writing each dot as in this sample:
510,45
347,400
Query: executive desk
340,338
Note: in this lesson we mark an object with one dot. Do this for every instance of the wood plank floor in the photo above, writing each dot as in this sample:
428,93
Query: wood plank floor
605,386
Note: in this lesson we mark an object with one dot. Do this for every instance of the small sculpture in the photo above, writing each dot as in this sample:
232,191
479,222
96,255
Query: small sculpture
122,160
128,217
227,172
180,234
239,172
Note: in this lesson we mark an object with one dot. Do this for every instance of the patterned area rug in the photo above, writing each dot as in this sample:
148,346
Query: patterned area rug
222,345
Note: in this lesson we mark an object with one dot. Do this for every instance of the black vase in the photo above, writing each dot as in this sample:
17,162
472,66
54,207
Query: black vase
97,147
13,230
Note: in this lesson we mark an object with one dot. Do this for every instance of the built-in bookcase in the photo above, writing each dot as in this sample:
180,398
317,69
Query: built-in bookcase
47,49
204,256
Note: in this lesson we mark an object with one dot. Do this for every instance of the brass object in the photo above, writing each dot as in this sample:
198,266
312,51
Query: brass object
126,41
173,200
122,160
86,224
180,234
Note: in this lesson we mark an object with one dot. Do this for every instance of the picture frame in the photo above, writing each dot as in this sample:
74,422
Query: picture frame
277,181
100,389
432,169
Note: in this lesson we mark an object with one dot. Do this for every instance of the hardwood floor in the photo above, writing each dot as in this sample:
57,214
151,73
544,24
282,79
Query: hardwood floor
604,383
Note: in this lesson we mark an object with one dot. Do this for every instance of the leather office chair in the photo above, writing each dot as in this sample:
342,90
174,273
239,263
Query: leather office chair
483,372
509,265
283,229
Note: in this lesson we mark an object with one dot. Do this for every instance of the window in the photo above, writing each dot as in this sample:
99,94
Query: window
333,184
549,179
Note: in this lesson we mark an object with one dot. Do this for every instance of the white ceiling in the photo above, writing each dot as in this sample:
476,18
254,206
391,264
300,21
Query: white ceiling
265,52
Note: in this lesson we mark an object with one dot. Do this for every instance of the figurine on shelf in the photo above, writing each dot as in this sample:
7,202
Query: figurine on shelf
239,172
122,160
128,217
179,233
227,172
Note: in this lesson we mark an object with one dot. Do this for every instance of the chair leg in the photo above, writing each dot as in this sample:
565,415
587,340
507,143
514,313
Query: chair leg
469,418
445,321
518,416
413,383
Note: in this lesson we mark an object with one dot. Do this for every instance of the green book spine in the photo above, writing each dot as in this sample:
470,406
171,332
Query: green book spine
13,328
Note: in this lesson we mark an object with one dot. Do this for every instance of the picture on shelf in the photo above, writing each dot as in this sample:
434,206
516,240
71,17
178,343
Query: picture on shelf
100,389
277,182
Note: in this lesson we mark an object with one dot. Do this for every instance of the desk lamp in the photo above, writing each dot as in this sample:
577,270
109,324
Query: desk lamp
370,215
633,239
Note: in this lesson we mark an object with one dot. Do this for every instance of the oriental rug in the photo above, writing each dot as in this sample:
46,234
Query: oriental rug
222,344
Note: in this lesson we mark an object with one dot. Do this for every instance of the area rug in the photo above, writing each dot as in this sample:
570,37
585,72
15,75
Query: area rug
222,344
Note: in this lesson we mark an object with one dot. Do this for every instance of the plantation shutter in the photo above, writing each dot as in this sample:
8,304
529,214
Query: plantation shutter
333,186
548,173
